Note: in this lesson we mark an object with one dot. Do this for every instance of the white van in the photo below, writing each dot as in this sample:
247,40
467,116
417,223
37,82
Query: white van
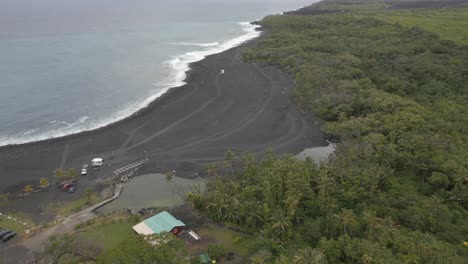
97,163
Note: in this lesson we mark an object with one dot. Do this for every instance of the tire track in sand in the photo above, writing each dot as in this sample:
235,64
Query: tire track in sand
241,125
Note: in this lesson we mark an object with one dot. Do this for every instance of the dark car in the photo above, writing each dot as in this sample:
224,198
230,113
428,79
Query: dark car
8,236
4,232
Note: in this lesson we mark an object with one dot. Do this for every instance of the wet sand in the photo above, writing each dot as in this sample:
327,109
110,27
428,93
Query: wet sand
246,109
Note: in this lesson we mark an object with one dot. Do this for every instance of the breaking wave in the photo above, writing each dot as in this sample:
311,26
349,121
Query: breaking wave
177,67
195,44
181,64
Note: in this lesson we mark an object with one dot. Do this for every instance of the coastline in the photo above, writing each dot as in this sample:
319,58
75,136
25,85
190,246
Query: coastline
181,67
248,109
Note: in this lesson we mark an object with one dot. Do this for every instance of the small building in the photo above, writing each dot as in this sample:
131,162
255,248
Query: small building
205,259
162,222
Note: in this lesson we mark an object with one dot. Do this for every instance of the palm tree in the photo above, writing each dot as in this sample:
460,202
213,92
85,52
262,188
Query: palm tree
28,189
348,221
281,225
249,167
309,256
389,232
232,211
228,161
434,206
211,169
291,203
44,183
294,181
261,257
59,173
253,217
383,230
216,207
324,189
415,244
72,173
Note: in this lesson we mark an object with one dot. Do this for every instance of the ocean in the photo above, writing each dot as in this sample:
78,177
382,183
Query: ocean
77,65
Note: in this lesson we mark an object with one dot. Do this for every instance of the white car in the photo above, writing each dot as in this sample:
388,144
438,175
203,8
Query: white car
84,170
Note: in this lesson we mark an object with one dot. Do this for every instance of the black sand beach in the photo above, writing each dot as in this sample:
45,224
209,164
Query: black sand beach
246,109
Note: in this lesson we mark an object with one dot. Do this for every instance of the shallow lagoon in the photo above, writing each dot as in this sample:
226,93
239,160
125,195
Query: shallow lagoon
152,190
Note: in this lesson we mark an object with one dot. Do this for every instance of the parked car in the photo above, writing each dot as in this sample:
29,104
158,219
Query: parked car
8,236
72,189
4,233
84,170
65,185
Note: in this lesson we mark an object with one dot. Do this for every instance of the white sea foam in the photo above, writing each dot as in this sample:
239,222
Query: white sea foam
211,44
55,128
178,67
181,64
28,132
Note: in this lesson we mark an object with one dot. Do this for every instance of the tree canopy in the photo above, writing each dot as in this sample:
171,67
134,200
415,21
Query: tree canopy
395,190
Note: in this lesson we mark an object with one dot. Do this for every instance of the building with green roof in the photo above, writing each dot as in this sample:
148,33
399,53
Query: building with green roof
162,222
205,259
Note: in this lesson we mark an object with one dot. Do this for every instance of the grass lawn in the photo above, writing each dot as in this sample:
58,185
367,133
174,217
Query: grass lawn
68,208
107,235
15,226
239,243
449,23
11,225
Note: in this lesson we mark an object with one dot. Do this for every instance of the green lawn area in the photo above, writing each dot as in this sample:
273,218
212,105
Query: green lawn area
11,225
68,208
449,23
15,226
241,244
107,235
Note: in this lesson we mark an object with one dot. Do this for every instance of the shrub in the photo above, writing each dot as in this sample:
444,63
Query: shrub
438,180
216,251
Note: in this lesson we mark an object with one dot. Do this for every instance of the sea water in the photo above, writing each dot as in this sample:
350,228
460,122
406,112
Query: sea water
76,65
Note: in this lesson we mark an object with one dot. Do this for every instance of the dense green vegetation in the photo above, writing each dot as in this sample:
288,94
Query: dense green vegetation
395,191
449,23
238,243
